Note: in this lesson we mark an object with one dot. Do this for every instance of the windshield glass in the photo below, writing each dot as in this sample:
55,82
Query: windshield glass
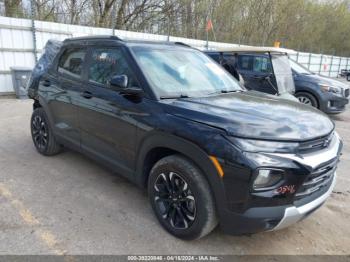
183,72
299,68
283,73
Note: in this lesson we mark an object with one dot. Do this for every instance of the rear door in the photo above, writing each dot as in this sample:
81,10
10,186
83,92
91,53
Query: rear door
262,70
108,127
62,92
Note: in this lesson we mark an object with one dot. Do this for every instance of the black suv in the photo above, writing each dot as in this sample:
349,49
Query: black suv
171,120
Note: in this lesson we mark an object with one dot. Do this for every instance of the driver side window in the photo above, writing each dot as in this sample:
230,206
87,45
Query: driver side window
107,63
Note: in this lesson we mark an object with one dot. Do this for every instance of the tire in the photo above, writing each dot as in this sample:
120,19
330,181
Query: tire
42,135
189,213
307,99
348,77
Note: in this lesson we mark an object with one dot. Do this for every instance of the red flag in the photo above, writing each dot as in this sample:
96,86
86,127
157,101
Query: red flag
209,25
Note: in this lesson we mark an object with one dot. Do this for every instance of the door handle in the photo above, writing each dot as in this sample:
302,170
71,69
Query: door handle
86,94
46,83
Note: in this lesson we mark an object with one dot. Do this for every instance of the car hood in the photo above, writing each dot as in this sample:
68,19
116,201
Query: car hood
314,78
254,114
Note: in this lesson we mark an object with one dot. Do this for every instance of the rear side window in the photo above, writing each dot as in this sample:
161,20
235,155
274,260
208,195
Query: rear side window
107,63
245,62
261,64
71,62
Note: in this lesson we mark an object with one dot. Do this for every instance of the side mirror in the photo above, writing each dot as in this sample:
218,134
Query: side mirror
118,82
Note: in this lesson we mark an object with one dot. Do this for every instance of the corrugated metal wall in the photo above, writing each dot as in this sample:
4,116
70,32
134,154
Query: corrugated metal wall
16,46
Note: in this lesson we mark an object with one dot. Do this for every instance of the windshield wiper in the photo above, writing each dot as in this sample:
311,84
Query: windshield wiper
231,91
223,91
174,97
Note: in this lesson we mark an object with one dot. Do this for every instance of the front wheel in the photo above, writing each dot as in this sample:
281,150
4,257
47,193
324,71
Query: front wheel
307,99
181,198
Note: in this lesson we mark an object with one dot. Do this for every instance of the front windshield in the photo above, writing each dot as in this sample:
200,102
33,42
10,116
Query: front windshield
299,68
283,73
183,72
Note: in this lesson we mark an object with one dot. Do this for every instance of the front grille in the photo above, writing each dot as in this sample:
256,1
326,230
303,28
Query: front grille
316,144
318,181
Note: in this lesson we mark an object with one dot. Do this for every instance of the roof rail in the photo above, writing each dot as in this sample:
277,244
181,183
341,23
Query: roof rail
94,37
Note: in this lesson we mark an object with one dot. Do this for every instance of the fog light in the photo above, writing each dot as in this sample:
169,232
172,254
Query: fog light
267,178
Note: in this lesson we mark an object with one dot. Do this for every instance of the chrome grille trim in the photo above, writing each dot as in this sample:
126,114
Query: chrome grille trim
317,158
317,179
316,144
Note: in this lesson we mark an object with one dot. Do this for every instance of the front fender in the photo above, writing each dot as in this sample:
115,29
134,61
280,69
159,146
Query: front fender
190,150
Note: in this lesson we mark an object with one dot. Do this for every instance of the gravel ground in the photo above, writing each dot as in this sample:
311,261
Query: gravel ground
69,204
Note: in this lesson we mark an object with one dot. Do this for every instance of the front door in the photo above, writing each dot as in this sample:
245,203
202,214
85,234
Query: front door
107,118
255,69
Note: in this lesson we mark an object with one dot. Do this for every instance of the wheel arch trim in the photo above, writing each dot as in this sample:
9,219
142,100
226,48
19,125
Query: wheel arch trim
186,148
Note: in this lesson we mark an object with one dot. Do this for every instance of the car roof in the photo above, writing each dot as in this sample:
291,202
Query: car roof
99,39
254,49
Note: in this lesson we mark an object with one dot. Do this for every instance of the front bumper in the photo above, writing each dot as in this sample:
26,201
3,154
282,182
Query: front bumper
294,214
268,211
333,104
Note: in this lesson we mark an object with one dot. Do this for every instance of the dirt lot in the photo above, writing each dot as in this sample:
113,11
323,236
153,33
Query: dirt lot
69,204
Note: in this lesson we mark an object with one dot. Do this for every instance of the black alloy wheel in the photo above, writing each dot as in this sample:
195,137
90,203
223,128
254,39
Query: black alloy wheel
174,200
39,132
181,197
42,135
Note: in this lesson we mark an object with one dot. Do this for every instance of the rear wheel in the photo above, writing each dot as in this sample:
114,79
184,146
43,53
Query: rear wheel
348,77
43,138
307,99
181,198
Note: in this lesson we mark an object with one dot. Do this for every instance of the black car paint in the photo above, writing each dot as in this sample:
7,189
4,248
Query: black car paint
129,134
310,83
255,115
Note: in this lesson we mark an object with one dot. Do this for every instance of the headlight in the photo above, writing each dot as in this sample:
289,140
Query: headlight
332,89
252,145
267,178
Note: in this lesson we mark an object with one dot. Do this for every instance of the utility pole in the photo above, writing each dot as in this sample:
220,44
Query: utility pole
2,8
114,14
32,9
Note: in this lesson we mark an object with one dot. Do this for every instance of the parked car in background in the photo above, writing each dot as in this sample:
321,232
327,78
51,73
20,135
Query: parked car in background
327,94
177,124
264,69
256,65
345,73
